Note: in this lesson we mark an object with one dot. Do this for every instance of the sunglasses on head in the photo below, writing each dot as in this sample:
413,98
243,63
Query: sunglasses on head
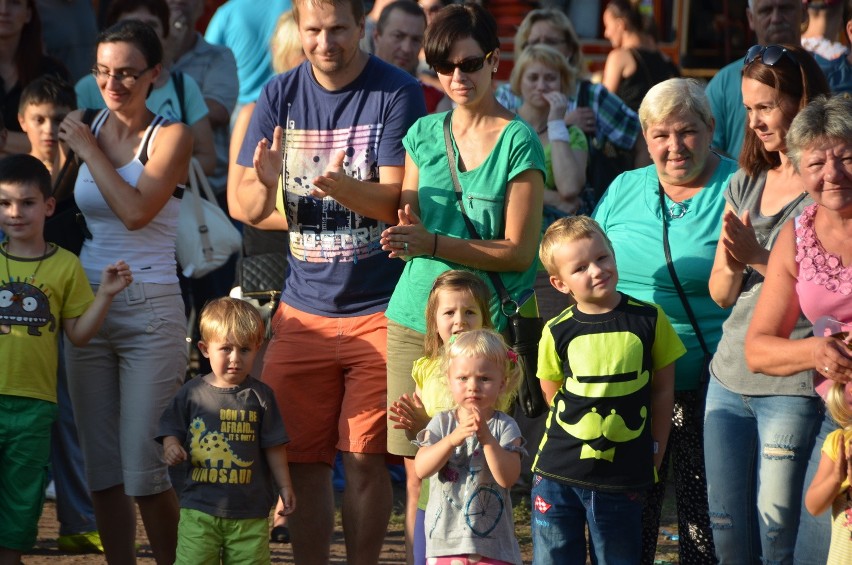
769,55
469,65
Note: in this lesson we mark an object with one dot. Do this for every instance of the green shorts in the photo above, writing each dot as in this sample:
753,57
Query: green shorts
25,448
201,536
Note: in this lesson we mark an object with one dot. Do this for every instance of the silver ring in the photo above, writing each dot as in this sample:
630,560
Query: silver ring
405,246
827,370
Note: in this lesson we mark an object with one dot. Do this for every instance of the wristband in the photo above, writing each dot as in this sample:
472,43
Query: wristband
558,131
435,245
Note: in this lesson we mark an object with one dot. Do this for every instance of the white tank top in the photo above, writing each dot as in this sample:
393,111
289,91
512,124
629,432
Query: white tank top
150,251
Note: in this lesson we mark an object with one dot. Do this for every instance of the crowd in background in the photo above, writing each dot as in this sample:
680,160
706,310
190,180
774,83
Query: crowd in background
376,154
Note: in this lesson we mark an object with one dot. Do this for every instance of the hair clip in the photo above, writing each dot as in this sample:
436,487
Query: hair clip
513,357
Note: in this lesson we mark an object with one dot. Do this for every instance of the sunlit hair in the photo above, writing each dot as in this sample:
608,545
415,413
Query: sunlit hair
490,345
566,230
549,57
837,406
562,24
459,281
457,22
357,7
48,89
675,97
799,83
285,45
823,121
231,319
23,169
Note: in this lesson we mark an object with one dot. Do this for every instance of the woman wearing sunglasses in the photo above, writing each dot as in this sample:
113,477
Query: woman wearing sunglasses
499,163
755,488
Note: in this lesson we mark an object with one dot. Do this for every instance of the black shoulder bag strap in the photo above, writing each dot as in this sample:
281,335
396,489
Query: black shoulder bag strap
509,306
676,281
177,78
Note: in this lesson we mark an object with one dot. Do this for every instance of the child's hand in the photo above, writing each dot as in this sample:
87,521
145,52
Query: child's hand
468,426
843,465
115,278
288,498
408,413
174,454
483,432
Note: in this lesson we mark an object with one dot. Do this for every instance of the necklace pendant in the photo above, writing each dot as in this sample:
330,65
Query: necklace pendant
677,210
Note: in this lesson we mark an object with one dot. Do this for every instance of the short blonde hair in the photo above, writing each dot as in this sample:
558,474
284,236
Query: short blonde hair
488,344
565,230
229,318
838,408
285,44
673,97
548,56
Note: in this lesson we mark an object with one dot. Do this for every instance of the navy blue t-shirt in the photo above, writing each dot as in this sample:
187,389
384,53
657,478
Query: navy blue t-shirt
337,267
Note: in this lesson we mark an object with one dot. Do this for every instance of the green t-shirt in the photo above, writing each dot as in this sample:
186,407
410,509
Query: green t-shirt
484,194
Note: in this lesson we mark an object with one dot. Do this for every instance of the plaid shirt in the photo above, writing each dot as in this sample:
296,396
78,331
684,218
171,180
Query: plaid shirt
615,121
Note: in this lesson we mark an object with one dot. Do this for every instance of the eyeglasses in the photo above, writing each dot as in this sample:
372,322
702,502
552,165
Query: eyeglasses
769,55
125,78
550,41
469,65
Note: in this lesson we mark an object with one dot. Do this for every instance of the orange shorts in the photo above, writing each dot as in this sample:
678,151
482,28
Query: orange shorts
330,379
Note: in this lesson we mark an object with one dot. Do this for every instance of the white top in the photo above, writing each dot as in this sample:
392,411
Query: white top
150,251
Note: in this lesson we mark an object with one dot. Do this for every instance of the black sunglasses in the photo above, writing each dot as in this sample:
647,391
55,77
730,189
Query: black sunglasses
469,65
769,55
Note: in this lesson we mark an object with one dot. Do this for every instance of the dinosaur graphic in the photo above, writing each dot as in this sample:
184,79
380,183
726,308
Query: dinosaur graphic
211,448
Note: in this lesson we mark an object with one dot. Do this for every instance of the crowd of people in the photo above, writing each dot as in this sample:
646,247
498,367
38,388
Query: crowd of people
689,246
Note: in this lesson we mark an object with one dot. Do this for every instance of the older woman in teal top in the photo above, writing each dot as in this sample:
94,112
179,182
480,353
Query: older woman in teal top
689,180
500,166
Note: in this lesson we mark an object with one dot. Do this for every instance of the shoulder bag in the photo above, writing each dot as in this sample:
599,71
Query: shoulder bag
206,237
524,331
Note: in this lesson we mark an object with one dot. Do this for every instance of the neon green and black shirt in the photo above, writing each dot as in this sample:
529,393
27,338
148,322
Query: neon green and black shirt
598,433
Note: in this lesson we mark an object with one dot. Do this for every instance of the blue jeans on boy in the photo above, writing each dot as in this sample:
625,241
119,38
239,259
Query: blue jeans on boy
756,453
560,515
814,531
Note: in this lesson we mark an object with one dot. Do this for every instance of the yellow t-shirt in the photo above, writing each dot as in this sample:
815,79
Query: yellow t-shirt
35,296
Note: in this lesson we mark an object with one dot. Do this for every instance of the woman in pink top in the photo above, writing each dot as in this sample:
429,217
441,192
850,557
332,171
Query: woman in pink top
810,270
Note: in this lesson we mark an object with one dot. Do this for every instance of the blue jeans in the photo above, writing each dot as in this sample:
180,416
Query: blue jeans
561,513
756,452
814,531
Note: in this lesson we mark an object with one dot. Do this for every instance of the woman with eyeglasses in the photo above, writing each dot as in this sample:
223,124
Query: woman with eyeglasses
167,97
809,273
133,161
755,479
664,221
499,163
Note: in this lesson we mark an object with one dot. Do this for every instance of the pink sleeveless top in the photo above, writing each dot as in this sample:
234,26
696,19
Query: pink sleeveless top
824,285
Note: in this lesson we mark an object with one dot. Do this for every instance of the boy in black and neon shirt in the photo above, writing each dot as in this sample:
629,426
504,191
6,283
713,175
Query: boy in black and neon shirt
606,366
